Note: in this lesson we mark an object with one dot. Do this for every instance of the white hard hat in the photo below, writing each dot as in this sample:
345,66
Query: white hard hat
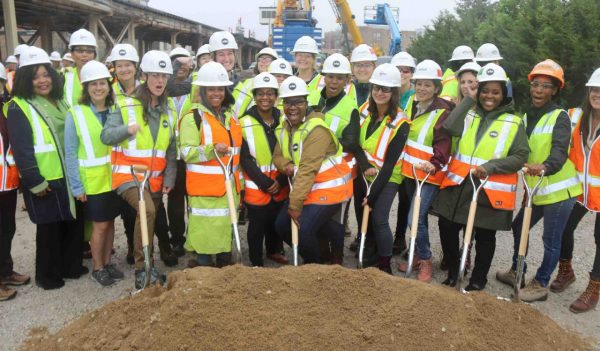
203,50
386,75
11,59
292,86
488,52
68,57
212,74
462,52
280,66
93,70
306,44
179,51
82,37
55,56
124,52
33,56
3,72
594,79
19,49
404,59
155,61
491,73
336,64
222,40
469,66
265,80
363,52
267,51
428,69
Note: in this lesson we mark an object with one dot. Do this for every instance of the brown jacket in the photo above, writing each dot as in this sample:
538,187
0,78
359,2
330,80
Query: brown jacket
318,145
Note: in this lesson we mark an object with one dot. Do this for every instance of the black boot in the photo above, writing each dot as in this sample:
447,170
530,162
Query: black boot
223,259
167,255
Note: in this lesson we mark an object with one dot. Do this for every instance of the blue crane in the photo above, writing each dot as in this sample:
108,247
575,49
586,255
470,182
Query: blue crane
383,14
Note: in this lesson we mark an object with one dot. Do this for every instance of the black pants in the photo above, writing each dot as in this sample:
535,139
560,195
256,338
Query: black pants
176,207
568,239
485,246
8,205
59,249
261,227
128,215
161,226
404,200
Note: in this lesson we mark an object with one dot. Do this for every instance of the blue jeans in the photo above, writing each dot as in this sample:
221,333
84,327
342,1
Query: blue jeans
379,220
315,221
555,219
428,194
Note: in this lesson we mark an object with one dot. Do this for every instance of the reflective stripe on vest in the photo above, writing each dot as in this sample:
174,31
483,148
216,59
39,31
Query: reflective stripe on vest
575,115
243,97
557,187
587,165
8,169
209,212
72,87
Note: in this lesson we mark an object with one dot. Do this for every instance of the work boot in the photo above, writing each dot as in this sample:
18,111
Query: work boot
564,278
278,257
588,299
6,293
337,256
167,255
425,271
15,279
509,277
399,245
534,291
403,267
383,263
223,259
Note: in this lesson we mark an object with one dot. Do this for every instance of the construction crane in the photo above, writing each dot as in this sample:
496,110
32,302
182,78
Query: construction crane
293,19
345,18
383,14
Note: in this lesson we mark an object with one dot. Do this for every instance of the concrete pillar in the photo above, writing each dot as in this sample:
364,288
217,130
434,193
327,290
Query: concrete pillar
131,33
10,26
174,39
93,25
46,35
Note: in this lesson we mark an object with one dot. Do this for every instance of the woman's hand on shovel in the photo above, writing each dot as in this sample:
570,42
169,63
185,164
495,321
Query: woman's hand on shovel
295,216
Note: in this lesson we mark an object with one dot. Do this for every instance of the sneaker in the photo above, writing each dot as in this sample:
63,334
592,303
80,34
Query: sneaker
102,277
6,293
114,272
15,279
534,291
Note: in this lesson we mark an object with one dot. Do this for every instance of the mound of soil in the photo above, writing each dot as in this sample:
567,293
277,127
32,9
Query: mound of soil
311,307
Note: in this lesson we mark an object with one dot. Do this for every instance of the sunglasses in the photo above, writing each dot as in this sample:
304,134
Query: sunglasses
385,90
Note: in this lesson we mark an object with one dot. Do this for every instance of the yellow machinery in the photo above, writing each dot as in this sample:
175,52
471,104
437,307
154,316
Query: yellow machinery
345,18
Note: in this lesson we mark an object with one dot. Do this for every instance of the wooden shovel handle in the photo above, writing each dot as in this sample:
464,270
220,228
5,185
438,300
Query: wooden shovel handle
139,168
365,219
143,222
415,217
470,223
231,202
525,231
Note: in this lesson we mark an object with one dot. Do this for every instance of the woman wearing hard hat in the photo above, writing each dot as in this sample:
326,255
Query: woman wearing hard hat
265,188
89,166
11,68
143,133
428,149
55,59
467,80
280,69
305,53
67,61
82,45
205,132
243,93
492,143
489,53
363,61
202,57
406,64
383,133
585,155
36,125
180,85
8,203
450,85
310,155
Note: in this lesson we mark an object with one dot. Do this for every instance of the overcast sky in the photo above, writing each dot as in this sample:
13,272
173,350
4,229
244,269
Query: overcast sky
224,13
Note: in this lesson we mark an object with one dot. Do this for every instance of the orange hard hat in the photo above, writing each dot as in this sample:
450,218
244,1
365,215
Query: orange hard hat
548,68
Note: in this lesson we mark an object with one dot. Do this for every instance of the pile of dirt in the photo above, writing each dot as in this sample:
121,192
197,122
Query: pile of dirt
311,307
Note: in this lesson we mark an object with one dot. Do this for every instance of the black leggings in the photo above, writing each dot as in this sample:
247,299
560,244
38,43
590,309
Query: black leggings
261,227
485,246
568,239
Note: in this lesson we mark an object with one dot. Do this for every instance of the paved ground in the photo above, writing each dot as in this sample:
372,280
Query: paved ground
34,307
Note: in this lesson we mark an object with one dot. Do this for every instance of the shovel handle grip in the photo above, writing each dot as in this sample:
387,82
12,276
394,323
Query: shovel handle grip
415,217
143,222
525,231
365,219
139,168
231,202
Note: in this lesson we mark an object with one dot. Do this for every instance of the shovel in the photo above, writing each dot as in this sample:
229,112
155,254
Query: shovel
294,231
142,169
365,221
415,218
227,168
469,229
525,233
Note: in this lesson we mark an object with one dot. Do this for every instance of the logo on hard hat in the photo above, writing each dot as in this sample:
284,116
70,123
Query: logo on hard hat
336,63
490,71
162,64
293,86
122,52
224,41
266,79
222,76
282,65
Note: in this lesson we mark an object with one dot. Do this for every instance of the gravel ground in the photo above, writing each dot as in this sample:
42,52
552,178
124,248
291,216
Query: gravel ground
34,307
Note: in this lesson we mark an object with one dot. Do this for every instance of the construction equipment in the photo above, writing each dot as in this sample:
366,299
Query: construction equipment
345,18
227,171
365,221
384,14
415,218
293,20
141,185
524,242
469,229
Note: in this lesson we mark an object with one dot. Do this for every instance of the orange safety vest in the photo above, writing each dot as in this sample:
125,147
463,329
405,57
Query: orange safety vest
8,170
588,169
207,178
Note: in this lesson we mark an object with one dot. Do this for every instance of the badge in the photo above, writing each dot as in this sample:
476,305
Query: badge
224,41
282,65
494,134
266,79
295,147
162,64
336,63
122,52
165,124
490,71
293,86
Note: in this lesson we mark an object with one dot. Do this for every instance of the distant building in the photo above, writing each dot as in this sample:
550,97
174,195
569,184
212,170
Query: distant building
376,36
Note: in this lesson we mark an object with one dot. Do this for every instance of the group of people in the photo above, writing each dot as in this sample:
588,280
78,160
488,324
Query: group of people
302,143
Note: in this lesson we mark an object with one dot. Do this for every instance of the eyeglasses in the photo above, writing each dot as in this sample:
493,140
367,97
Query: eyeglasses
265,93
544,86
384,90
84,51
156,75
265,58
405,70
294,103
363,65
